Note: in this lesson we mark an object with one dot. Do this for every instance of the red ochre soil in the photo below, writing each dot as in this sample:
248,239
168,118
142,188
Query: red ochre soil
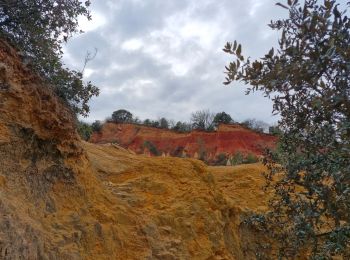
228,139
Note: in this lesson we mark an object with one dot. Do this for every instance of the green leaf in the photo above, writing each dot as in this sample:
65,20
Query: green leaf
283,6
239,50
227,48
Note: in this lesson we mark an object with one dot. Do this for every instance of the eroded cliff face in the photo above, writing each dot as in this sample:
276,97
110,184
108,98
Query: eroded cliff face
228,139
41,158
61,198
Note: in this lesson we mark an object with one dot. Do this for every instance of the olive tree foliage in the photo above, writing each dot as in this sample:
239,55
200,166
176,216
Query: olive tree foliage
307,78
38,28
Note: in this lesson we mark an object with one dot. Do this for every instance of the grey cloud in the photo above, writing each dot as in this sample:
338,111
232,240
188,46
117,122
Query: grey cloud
131,18
121,74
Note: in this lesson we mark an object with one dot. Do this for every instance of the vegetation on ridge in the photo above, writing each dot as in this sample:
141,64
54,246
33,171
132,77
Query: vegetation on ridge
38,29
203,120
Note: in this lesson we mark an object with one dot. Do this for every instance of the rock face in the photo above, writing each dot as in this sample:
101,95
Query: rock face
61,198
228,139
37,136
172,208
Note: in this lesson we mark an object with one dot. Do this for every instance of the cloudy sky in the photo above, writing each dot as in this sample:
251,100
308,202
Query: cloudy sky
164,57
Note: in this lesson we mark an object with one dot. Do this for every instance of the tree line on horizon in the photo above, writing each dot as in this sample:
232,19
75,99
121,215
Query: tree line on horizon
202,120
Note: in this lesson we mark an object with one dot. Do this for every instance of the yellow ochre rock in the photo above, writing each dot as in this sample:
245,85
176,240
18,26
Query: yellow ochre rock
62,198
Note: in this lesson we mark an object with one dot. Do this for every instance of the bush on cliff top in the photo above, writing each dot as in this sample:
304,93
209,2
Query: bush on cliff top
84,130
38,29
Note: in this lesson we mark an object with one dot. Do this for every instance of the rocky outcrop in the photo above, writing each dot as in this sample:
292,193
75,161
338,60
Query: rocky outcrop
37,135
61,198
228,139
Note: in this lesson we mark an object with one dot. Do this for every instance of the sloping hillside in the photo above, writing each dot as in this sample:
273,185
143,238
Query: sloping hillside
61,198
228,139
177,208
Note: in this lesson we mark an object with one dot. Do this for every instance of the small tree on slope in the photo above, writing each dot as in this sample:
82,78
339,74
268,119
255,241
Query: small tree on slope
308,80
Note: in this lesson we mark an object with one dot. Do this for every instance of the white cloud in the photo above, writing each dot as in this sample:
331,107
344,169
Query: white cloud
88,72
118,67
183,42
98,21
134,88
255,7
132,45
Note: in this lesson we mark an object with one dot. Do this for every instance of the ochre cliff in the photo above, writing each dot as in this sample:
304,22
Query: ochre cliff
228,139
61,198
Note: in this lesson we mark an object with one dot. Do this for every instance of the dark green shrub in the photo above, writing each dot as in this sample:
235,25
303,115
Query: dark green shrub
122,116
182,127
164,123
147,122
96,126
152,148
222,118
221,159
178,151
275,130
251,158
84,130
203,156
237,158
